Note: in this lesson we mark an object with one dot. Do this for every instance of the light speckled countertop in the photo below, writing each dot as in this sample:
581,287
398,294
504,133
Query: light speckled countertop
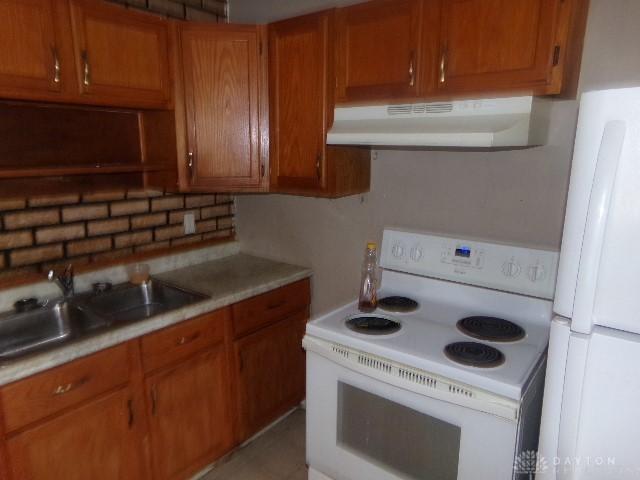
226,280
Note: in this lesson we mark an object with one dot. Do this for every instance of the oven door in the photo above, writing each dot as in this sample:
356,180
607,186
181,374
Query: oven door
361,428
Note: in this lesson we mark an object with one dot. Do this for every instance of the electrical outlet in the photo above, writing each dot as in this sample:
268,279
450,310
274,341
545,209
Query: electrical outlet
189,223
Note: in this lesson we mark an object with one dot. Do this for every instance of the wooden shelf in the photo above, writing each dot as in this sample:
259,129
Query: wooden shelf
79,170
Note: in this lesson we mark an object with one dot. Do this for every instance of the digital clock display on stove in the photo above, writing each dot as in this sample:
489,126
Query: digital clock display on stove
463,252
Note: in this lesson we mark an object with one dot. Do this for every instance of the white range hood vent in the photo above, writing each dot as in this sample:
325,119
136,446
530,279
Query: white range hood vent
485,123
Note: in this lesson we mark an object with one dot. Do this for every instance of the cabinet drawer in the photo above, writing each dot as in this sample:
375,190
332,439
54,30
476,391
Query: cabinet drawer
49,392
263,310
180,341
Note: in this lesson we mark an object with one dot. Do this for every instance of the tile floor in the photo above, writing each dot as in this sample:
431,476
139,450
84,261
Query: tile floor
279,454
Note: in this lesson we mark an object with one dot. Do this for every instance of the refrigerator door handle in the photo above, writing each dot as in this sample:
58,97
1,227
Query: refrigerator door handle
571,412
596,225
553,394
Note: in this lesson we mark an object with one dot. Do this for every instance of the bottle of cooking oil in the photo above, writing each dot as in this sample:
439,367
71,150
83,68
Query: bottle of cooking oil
369,284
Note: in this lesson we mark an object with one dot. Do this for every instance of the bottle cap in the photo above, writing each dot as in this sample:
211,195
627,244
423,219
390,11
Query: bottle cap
372,246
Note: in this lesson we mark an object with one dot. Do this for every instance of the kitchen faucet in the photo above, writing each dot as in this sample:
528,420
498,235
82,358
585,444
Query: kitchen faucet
64,281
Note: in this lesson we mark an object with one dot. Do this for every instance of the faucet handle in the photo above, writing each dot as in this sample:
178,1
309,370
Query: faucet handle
64,280
68,272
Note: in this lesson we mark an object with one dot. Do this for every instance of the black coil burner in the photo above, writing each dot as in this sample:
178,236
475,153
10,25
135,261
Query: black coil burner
474,354
372,324
491,329
398,304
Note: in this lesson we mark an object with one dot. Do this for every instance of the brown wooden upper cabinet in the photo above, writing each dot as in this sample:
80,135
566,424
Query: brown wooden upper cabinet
300,108
221,108
121,55
491,45
378,45
301,78
84,52
399,50
32,51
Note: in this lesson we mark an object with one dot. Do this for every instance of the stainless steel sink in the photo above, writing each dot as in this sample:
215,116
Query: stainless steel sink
129,303
60,322
23,333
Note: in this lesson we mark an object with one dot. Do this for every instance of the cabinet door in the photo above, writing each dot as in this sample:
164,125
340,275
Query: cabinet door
100,440
30,55
378,50
122,56
190,415
492,45
299,62
271,373
222,102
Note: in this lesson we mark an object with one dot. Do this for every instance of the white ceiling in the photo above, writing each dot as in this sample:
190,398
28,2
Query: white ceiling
265,11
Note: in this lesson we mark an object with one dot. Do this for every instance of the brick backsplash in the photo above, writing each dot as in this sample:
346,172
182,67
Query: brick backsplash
195,10
40,233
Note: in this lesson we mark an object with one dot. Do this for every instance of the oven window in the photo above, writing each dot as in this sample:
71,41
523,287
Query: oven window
408,443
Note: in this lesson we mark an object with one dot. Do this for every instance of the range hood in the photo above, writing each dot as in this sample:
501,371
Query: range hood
484,123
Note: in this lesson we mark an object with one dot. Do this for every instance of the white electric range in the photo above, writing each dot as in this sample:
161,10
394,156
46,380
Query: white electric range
445,379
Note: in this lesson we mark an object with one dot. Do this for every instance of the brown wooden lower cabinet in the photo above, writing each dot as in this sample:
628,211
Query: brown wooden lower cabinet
262,397
162,406
190,420
99,440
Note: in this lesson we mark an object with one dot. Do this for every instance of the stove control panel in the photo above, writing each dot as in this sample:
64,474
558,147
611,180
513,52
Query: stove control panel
502,267
463,254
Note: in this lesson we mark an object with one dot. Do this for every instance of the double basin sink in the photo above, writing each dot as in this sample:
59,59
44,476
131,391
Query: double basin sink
59,322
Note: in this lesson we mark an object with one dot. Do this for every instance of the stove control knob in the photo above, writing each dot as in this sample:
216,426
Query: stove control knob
397,250
511,268
416,254
536,273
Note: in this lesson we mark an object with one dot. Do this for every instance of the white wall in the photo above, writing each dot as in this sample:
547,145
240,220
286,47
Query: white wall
516,196
612,46
509,196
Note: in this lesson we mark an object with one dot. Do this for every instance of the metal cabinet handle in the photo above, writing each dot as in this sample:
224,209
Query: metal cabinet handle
86,69
154,400
56,65
185,340
412,70
190,162
443,67
131,415
66,388
319,166
277,305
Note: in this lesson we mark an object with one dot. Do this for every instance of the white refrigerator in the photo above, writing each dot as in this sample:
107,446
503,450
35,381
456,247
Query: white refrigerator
591,412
